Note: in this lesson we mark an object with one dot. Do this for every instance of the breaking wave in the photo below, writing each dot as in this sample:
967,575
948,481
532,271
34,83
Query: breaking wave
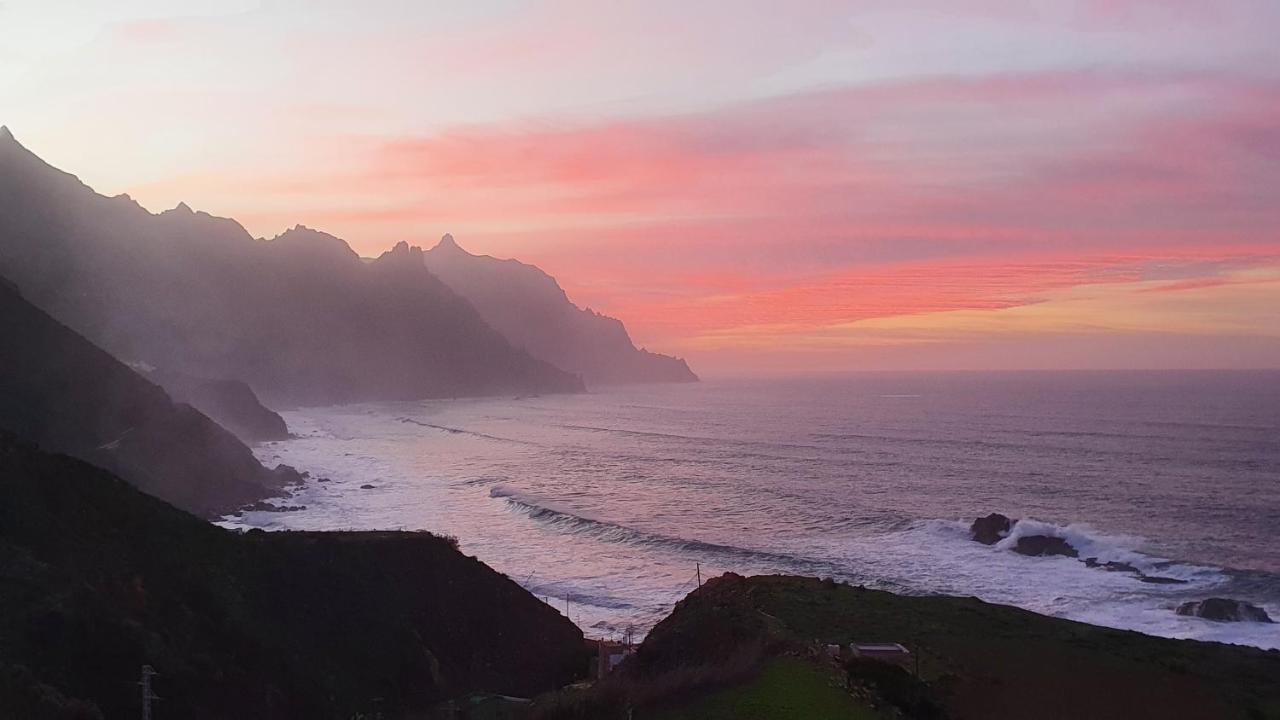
576,521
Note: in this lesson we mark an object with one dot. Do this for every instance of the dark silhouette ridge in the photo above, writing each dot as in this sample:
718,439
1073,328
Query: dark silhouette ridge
300,318
97,579
230,403
58,390
532,311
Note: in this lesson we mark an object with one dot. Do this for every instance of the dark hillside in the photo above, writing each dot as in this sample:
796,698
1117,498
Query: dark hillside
230,403
58,390
97,578
977,660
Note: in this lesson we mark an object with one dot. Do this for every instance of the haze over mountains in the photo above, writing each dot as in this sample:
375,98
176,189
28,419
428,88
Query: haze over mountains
300,318
58,390
533,312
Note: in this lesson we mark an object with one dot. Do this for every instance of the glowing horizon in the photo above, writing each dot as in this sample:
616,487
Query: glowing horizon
974,184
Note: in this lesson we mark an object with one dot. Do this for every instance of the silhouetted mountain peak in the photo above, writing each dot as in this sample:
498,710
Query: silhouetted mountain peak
403,251
183,209
302,239
448,245
533,312
22,173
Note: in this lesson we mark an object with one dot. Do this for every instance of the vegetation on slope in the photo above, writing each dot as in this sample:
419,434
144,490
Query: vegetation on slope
786,688
97,579
976,660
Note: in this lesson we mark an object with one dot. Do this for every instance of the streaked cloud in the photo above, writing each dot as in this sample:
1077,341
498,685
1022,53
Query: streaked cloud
733,181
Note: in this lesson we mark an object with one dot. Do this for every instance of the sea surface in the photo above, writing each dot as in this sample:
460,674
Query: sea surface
610,504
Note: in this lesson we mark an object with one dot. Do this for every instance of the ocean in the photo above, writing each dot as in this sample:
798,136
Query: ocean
610,505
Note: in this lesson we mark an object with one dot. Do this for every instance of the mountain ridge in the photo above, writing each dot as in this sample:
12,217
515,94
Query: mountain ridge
530,308
300,318
58,390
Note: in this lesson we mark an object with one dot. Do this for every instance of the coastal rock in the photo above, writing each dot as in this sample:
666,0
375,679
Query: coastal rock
367,486
1116,566
1161,580
991,529
264,506
1112,566
1225,610
1038,545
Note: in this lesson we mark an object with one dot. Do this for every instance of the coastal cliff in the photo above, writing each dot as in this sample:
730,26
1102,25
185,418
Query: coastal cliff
97,579
533,312
61,392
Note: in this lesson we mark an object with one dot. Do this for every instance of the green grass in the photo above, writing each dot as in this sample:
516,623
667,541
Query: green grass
786,689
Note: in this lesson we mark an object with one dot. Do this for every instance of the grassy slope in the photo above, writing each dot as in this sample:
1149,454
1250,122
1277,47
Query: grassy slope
787,688
989,660
97,579
978,660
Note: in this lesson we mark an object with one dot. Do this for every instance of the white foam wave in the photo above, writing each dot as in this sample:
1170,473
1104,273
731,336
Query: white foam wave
938,556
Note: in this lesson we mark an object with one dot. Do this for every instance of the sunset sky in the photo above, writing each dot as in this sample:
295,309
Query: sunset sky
829,186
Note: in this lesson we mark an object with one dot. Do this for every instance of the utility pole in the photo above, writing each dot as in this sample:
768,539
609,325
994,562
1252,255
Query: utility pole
699,567
147,695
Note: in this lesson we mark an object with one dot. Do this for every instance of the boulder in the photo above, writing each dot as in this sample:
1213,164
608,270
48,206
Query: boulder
1224,610
991,529
1037,545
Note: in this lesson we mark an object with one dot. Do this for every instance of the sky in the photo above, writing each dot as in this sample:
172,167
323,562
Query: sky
761,187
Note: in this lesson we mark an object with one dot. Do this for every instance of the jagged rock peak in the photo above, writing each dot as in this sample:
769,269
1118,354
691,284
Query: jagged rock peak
449,247
127,199
5,134
403,250
183,208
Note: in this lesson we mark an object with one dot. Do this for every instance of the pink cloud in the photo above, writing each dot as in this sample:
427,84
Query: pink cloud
923,196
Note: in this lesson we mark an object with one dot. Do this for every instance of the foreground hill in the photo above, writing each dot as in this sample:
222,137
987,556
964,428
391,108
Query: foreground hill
300,318
58,390
531,310
726,645
97,579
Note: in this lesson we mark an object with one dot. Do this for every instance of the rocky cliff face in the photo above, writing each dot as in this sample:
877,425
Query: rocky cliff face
97,579
532,311
58,390
300,318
